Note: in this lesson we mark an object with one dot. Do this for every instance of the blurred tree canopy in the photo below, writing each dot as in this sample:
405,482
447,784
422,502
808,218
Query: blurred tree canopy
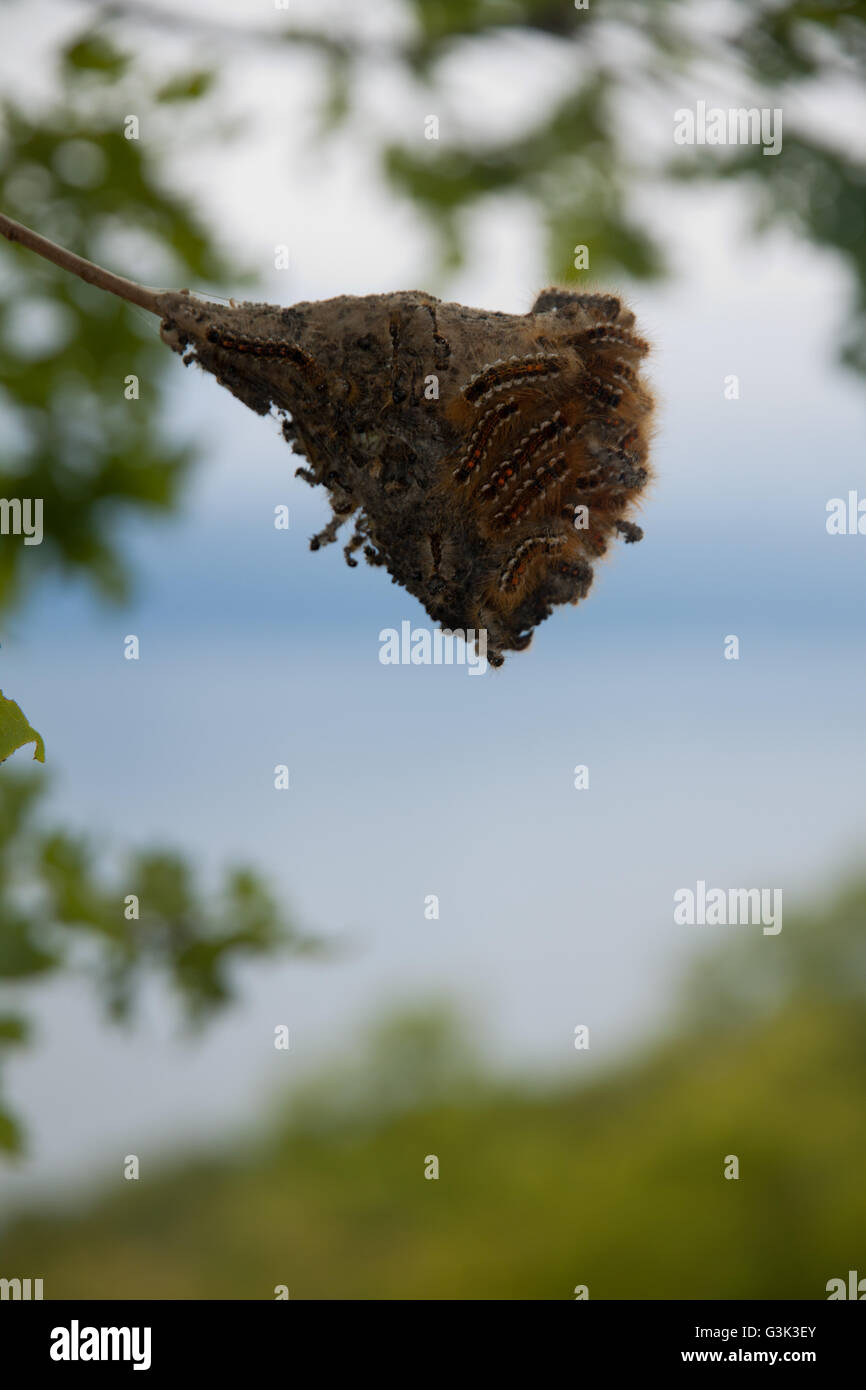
60,911
578,162
616,1183
71,437
15,732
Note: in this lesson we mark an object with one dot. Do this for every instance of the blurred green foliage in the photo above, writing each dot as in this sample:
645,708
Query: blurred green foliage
565,165
616,1183
580,163
15,732
70,435
65,349
60,911
72,439
820,195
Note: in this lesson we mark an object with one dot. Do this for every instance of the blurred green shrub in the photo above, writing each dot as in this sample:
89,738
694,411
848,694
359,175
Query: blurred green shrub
617,1184
60,912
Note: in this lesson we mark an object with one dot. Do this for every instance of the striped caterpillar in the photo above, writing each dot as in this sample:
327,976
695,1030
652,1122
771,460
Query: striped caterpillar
456,443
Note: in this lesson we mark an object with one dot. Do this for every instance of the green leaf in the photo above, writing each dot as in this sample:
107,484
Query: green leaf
10,1134
189,86
92,53
13,1029
21,957
15,731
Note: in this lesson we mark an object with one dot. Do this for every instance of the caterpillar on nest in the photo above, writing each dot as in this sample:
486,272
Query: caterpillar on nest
440,431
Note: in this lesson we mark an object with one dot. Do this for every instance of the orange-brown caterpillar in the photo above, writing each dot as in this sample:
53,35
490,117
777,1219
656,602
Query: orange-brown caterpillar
611,336
258,347
533,491
525,451
350,378
597,389
532,547
482,436
467,499
512,372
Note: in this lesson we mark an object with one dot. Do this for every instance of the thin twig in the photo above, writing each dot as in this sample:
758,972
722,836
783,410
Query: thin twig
85,270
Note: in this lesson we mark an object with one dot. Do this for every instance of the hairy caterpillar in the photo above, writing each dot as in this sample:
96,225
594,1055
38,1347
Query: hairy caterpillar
415,441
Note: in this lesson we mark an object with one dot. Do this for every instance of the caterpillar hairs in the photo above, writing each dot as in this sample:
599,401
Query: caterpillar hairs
463,445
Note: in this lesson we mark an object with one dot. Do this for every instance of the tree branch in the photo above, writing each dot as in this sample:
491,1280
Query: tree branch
77,265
